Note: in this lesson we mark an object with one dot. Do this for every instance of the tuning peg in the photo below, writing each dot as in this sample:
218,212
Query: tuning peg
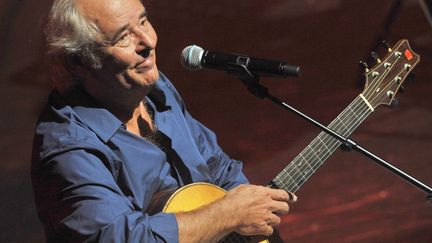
364,65
394,103
375,56
387,46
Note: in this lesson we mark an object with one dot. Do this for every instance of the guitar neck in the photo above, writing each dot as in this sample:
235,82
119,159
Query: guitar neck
382,83
293,176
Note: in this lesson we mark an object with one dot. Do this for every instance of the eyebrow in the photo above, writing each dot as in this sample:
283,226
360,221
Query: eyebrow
126,26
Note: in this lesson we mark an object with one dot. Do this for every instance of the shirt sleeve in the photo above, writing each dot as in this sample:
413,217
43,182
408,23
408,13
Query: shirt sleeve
78,199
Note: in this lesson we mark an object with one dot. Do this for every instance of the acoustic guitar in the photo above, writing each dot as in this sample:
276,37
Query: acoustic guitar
382,83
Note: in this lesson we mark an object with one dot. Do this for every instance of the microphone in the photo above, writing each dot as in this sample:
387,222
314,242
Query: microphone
195,58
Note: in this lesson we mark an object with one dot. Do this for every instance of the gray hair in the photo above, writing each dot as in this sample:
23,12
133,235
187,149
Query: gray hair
71,35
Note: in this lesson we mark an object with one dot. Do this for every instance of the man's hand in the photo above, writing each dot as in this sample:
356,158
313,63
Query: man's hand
255,210
247,210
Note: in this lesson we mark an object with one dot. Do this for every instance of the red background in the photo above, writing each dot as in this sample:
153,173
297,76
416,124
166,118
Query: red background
350,199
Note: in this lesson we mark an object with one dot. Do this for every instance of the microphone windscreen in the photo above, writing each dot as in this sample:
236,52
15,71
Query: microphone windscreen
191,57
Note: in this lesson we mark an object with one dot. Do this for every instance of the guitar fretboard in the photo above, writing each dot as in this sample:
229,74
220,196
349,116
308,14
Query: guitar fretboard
382,83
293,176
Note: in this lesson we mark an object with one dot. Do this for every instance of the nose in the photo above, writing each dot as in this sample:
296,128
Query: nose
145,40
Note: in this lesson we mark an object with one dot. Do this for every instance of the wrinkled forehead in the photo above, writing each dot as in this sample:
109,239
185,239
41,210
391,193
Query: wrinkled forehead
101,10
108,15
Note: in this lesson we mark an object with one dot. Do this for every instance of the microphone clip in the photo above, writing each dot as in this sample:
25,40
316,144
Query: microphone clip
251,81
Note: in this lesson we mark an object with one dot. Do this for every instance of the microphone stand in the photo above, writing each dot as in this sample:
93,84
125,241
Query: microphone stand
252,83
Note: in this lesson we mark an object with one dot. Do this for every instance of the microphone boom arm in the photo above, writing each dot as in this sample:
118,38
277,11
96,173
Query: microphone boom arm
252,83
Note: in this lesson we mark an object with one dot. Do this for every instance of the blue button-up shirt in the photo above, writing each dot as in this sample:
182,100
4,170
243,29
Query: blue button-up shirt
94,180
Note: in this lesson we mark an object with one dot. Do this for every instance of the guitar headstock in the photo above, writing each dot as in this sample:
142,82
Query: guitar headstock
384,80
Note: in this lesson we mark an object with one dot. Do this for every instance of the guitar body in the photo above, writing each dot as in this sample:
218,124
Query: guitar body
196,195
193,196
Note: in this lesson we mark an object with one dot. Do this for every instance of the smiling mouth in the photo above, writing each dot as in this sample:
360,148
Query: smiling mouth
146,63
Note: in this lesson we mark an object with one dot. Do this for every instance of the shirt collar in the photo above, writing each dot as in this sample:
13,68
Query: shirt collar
102,122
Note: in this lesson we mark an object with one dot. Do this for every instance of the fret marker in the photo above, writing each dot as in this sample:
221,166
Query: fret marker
367,102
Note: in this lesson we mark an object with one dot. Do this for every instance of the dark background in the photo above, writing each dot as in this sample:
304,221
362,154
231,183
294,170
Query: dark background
350,199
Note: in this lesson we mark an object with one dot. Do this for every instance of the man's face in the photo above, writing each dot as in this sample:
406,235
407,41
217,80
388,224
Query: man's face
128,42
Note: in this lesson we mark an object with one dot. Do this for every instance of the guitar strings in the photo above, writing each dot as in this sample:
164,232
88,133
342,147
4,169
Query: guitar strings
334,143
236,237
337,143
341,127
306,155
333,146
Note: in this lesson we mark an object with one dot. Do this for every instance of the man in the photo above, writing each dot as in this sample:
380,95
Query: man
115,132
